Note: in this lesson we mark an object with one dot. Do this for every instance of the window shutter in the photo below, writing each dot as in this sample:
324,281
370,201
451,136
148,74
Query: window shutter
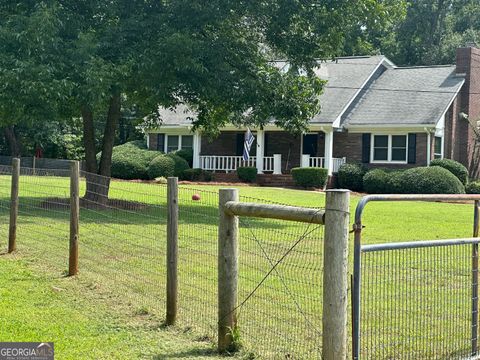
366,142
161,142
240,141
412,148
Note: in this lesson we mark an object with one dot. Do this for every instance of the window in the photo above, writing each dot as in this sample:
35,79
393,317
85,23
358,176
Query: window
399,148
389,148
380,148
172,143
438,148
187,142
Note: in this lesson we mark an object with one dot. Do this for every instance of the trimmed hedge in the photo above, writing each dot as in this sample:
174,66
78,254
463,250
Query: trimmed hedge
247,173
180,164
196,175
130,161
454,167
350,176
376,182
161,166
187,155
473,187
420,180
310,177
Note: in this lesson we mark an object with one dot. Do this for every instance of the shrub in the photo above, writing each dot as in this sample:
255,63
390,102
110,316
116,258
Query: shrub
247,173
376,182
187,155
350,176
310,177
131,162
473,187
394,185
180,164
196,175
429,180
454,167
161,166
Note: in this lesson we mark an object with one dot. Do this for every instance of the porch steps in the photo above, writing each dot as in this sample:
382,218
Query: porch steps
285,180
262,179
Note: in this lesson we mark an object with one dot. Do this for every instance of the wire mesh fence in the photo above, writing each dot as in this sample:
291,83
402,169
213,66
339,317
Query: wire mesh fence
280,287
416,303
122,246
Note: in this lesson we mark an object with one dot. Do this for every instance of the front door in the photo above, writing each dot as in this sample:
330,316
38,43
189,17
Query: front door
310,144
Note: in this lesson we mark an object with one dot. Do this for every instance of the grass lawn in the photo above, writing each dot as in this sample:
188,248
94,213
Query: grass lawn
116,305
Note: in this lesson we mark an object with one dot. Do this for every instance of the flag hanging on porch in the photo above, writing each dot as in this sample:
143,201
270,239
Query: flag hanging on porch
249,138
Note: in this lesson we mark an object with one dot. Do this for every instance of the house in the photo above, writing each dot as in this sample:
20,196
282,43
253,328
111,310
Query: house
373,112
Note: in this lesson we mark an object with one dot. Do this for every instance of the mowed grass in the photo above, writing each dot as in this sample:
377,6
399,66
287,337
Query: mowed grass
122,257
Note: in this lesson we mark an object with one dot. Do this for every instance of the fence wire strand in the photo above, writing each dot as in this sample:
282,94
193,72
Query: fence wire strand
122,246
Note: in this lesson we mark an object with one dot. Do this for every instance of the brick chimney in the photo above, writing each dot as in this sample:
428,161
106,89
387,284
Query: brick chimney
468,63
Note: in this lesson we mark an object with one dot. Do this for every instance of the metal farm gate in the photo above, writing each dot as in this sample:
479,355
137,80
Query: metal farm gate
419,299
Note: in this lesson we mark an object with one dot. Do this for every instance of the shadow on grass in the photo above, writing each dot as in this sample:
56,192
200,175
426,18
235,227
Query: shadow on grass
193,353
145,214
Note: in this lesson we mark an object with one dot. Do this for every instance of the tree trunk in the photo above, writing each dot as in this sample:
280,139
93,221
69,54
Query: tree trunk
98,181
12,141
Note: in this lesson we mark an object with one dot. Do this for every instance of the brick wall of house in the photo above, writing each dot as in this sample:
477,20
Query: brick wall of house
282,142
279,142
152,141
350,145
224,144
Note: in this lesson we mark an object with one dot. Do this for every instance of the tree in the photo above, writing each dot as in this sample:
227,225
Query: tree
431,32
217,56
31,86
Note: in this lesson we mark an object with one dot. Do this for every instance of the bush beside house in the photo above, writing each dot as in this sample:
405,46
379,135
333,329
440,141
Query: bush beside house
196,175
454,167
442,177
473,187
350,176
310,177
247,173
130,161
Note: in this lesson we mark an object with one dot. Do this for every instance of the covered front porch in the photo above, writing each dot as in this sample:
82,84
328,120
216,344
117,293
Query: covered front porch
273,152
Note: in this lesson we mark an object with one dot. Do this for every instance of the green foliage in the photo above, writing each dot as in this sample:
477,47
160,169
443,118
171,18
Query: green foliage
420,180
350,176
131,162
187,155
180,164
247,173
310,177
196,175
430,180
161,166
376,182
473,187
454,167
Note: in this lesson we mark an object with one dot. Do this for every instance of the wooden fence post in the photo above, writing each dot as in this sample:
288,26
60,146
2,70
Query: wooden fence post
12,231
74,217
227,271
172,250
335,275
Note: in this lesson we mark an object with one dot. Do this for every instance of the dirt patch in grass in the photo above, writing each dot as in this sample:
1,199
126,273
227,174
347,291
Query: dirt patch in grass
57,203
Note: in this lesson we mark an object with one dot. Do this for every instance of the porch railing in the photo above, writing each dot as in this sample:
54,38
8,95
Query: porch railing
318,161
225,163
232,163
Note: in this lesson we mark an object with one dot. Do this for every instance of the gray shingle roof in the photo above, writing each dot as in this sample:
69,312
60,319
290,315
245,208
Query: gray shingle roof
407,96
399,96
344,77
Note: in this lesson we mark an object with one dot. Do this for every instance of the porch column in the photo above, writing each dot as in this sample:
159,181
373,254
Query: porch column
329,151
197,146
260,150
